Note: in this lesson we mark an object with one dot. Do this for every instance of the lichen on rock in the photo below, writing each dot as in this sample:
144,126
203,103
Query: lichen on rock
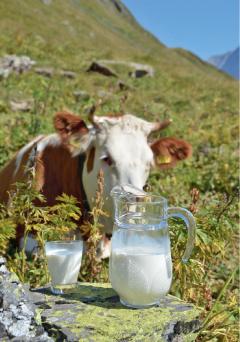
92,312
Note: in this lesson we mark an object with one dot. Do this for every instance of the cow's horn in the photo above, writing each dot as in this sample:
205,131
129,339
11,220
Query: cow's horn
91,112
91,116
158,126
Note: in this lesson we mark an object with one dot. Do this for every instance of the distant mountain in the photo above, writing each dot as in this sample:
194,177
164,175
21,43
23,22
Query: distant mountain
228,62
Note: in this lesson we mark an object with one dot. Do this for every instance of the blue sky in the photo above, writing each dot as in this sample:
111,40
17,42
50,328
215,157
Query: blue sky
205,27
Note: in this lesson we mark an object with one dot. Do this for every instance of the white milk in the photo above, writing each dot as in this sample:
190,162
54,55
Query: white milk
64,265
140,278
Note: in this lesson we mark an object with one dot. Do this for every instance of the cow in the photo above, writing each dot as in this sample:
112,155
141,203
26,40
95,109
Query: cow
69,160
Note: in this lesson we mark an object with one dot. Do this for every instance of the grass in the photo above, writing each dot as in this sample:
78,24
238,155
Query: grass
202,102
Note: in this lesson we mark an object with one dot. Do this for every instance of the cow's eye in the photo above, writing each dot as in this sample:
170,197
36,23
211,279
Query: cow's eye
107,160
147,187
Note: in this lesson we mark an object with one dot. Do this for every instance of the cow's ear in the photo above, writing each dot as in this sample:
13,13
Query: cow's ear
169,151
67,124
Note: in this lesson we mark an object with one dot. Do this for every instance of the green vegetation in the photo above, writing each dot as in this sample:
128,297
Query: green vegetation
203,103
26,208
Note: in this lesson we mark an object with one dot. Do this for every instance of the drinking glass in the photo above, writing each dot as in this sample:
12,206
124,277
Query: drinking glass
64,261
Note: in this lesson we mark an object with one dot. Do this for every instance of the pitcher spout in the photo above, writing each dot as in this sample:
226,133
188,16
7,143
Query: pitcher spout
126,190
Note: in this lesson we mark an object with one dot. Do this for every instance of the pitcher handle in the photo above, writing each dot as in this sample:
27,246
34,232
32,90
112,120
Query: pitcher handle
189,220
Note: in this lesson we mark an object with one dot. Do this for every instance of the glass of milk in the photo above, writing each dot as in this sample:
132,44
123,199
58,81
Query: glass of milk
64,261
140,263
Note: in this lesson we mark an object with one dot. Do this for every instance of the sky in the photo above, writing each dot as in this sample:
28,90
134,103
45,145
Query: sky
205,27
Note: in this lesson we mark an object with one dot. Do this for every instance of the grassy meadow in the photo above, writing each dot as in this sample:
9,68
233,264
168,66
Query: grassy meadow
203,103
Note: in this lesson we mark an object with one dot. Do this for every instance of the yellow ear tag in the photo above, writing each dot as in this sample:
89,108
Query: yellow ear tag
163,159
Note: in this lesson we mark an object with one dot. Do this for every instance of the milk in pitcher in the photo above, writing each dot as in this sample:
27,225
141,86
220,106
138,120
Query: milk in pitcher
140,277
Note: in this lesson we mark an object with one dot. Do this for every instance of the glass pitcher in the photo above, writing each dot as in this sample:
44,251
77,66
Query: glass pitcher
140,262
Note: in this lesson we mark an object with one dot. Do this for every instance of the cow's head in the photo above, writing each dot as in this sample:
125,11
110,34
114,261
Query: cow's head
120,146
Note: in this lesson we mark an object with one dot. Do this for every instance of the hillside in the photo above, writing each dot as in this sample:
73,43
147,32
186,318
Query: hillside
77,29
227,62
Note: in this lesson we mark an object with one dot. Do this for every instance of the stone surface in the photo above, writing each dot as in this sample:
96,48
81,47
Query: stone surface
46,71
117,5
81,95
47,2
138,73
17,312
101,69
68,74
137,69
92,312
13,63
2,260
21,105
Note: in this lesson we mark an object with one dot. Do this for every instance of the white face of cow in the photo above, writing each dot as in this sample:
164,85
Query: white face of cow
123,153
129,156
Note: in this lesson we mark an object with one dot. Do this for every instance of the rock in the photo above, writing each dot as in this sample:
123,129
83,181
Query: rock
13,63
47,2
138,70
68,74
116,5
138,73
101,69
89,312
21,105
142,70
47,72
17,312
81,95
3,269
4,72
2,260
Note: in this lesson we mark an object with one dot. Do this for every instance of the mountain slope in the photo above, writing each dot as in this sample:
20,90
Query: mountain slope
71,29
228,62
85,24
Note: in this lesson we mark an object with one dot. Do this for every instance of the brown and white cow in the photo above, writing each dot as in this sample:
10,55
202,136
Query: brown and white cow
69,160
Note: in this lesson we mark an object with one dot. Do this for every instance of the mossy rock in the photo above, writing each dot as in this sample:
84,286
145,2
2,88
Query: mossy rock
92,312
